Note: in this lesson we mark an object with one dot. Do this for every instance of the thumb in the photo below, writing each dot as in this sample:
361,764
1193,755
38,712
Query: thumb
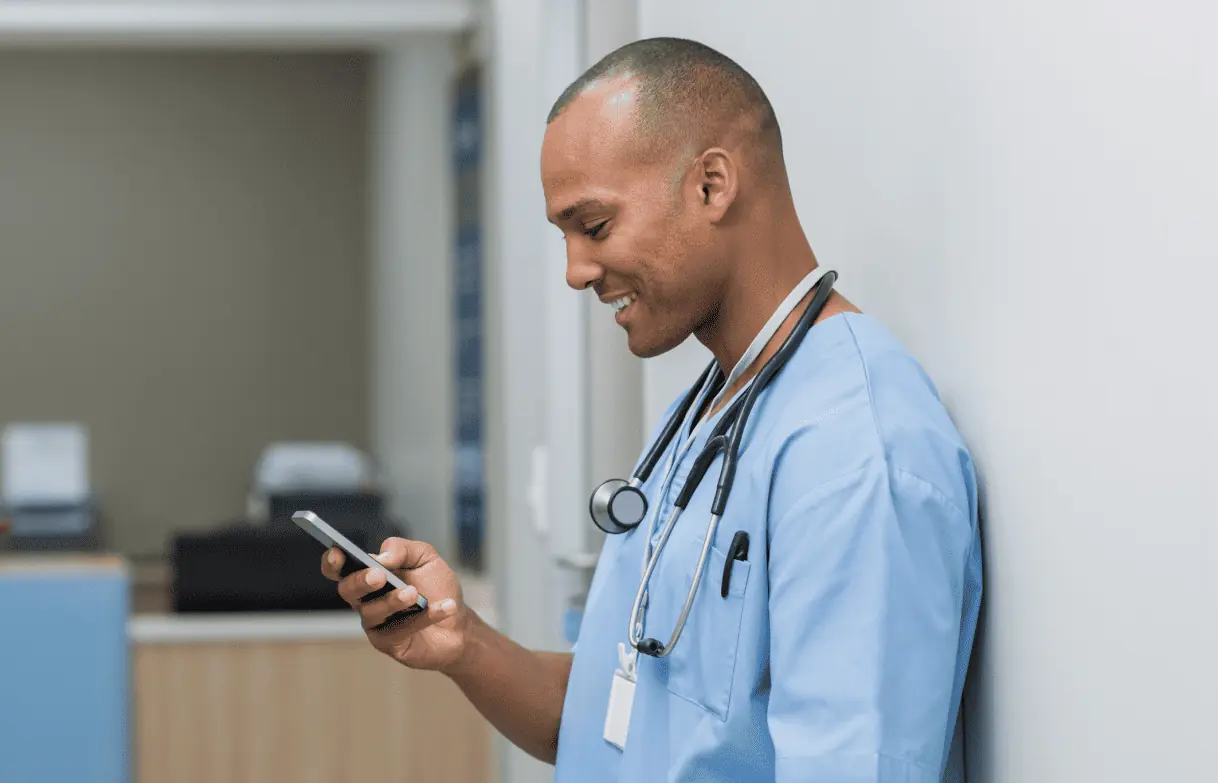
403,553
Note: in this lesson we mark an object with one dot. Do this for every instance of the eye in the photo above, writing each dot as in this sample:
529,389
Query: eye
592,231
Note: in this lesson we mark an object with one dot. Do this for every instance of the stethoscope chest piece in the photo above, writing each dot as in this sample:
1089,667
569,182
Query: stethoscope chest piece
618,506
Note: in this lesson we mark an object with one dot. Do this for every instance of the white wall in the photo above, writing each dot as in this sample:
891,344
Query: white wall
1026,195
518,268
615,384
551,360
411,285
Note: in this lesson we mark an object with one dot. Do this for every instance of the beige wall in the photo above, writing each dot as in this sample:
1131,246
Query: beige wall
183,267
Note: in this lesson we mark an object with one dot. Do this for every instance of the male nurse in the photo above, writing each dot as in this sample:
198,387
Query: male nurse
834,648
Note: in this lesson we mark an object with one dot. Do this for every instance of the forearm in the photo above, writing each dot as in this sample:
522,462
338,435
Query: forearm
519,691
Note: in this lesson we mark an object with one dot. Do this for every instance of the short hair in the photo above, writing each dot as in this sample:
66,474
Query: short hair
688,93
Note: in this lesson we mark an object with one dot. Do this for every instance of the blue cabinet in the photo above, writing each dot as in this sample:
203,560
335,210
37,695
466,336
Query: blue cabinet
64,670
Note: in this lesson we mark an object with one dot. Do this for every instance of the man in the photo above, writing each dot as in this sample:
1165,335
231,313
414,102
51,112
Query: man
834,647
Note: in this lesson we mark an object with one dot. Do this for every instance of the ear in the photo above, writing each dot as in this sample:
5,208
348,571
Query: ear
718,180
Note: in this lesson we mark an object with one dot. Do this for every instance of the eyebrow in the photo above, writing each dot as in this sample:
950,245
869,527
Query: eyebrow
583,203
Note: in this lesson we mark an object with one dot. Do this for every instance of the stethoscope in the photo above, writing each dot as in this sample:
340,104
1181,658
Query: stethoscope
618,505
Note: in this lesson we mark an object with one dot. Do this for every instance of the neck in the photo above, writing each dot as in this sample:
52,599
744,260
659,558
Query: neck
765,278
763,281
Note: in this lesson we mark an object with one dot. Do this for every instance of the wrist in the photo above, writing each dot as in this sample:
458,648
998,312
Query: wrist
472,633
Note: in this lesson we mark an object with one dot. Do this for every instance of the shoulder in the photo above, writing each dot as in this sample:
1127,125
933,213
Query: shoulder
855,405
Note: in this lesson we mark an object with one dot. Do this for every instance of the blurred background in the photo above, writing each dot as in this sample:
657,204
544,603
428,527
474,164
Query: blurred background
263,256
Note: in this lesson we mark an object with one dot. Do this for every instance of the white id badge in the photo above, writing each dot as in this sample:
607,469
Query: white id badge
621,697
617,718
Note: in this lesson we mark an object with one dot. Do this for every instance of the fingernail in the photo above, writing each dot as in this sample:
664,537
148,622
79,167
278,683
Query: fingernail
447,605
332,558
372,577
404,594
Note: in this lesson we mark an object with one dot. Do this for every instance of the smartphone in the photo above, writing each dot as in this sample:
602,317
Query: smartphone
357,560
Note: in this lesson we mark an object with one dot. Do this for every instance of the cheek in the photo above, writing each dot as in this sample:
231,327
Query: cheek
677,275
659,257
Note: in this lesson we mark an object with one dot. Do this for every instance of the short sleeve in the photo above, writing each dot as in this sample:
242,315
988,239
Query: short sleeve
866,581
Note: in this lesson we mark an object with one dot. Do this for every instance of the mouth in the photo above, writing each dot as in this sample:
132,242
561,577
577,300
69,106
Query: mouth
622,304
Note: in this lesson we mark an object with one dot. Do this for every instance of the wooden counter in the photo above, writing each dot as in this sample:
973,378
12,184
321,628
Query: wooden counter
297,698
92,691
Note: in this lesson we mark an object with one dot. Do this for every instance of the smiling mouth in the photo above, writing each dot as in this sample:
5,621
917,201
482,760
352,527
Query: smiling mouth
621,304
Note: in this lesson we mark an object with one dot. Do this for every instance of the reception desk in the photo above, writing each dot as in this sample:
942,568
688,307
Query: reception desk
228,698
296,699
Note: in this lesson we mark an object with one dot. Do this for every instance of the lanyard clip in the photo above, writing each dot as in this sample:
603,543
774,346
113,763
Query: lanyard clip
628,661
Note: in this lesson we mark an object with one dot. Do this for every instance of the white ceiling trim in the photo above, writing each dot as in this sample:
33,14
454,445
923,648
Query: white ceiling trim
228,22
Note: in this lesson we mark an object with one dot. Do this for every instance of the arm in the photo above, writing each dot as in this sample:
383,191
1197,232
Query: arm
867,576
519,691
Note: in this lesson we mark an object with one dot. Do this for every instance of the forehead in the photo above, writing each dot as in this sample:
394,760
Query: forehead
589,150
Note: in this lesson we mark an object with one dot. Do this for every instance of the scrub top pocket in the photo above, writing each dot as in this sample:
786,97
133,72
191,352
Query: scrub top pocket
703,665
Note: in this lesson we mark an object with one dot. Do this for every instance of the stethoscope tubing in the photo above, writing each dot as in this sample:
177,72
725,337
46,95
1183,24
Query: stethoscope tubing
726,437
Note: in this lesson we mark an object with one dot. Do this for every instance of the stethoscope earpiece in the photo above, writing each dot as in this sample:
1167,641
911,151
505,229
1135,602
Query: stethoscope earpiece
618,506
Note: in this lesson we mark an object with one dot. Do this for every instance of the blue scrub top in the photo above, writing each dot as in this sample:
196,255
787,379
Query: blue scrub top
840,651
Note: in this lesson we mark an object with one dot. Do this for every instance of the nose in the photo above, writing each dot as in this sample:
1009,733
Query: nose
582,270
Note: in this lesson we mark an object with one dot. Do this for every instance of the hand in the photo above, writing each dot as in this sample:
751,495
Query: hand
432,639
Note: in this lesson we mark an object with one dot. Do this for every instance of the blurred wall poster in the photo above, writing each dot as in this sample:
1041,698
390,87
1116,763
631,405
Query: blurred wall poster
468,471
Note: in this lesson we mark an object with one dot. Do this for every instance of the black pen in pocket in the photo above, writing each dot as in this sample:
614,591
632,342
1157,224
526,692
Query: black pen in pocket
738,550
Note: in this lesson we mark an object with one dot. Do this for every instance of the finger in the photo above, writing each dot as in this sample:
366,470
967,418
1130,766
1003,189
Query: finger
332,564
401,553
413,623
374,613
354,587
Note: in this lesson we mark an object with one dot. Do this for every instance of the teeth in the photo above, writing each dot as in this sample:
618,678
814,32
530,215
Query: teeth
619,305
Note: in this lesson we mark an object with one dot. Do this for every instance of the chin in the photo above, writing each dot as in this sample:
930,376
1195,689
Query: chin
648,345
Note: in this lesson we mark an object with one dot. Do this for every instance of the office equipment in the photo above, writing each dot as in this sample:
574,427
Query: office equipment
44,463
262,563
295,466
44,487
254,568
346,510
